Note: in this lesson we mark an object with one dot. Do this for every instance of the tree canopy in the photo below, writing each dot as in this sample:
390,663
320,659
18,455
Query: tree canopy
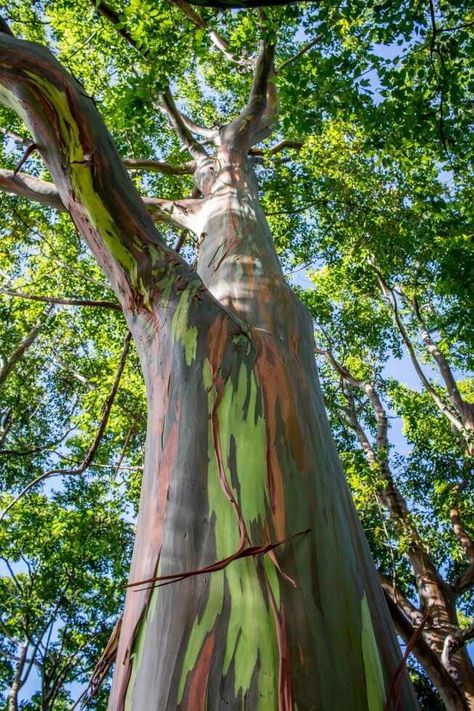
367,184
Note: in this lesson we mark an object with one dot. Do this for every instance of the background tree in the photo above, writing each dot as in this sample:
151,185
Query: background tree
337,46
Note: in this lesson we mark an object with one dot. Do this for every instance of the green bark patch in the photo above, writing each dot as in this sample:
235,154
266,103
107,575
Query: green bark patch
81,175
251,648
181,331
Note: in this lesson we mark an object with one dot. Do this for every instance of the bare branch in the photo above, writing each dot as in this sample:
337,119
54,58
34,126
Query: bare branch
280,146
157,166
149,164
430,585
90,454
197,151
255,121
465,409
63,301
212,134
392,303
31,188
22,347
16,683
412,614
299,54
177,212
452,643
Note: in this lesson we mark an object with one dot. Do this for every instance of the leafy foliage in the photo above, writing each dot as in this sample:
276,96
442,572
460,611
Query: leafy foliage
379,193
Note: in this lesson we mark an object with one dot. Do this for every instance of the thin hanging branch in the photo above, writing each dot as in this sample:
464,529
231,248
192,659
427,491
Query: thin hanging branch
91,452
242,552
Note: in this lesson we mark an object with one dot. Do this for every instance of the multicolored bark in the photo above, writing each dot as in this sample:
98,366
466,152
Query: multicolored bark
239,450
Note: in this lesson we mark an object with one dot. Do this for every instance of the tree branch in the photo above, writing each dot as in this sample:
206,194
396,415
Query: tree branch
177,212
195,148
453,643
63,301
212,134
21,348
104,9
299,54
465,409
149,164
91,452
90,177
431,586
255,121
31,188
280,146
156,166
450,692
392,303
217,39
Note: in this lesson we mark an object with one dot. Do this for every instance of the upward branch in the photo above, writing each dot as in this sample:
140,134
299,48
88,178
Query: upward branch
188,141
91,179
255,122
393,306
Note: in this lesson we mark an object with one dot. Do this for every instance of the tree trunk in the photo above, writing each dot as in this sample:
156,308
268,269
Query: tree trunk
239,453
16,683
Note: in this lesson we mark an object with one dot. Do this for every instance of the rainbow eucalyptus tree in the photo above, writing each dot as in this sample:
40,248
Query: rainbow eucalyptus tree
274,603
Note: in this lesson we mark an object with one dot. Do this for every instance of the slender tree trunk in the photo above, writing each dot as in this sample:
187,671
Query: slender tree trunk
16,683
239,452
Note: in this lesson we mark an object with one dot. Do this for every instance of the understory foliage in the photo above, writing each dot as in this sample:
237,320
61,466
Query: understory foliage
370,205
